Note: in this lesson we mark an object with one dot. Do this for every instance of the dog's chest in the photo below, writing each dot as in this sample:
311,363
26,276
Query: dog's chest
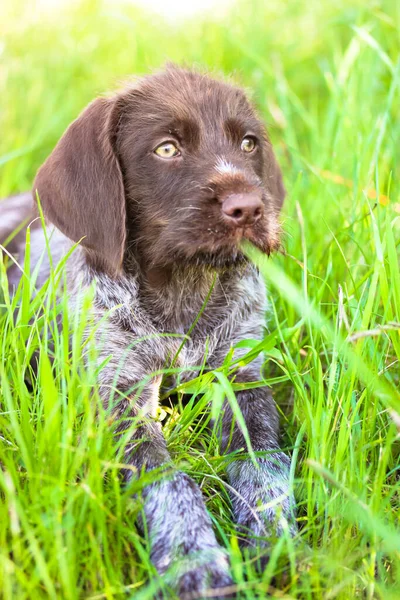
186,321
194,330
211,316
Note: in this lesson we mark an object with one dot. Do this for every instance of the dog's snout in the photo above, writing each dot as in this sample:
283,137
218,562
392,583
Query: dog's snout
243,209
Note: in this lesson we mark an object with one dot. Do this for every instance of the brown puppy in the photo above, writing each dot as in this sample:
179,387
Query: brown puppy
161,183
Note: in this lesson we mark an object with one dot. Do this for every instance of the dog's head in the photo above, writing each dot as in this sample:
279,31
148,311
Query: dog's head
177,169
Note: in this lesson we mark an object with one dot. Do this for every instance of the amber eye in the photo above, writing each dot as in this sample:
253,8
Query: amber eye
248,144
167,150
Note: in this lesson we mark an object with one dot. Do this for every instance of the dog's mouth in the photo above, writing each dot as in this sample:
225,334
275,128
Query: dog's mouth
235,236
216,246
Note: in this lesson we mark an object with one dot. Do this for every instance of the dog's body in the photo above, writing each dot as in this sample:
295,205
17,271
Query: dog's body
161,182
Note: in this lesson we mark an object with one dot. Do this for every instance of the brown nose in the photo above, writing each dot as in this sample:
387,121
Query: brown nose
243,209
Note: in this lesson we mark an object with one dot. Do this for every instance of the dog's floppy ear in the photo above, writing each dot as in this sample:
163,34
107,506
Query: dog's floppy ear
273,177
81,189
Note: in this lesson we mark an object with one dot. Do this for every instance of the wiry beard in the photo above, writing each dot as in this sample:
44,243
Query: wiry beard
215,261
222,249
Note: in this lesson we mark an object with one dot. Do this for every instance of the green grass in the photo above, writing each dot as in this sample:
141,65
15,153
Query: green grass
326,78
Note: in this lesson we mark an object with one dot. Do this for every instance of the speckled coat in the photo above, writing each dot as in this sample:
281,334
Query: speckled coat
155,244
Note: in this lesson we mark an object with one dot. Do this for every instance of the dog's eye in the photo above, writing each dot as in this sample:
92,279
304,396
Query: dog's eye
248,143
167,150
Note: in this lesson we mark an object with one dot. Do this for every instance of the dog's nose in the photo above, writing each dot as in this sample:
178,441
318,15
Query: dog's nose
243,209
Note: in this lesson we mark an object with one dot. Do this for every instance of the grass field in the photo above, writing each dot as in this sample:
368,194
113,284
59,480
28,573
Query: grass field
325,76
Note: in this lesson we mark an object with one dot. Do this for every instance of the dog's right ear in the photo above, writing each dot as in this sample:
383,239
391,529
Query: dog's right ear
81,188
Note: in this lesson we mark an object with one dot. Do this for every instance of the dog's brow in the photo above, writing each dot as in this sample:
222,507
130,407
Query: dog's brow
186,130
235,129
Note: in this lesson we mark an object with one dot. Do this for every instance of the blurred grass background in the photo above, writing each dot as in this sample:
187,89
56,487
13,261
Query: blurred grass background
325,76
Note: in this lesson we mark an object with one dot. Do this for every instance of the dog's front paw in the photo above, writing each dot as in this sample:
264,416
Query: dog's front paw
197,574
184,548
262,503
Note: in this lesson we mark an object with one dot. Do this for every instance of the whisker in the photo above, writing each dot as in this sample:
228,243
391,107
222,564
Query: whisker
188,208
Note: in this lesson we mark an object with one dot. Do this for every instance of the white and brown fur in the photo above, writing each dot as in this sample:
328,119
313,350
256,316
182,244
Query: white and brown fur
154,241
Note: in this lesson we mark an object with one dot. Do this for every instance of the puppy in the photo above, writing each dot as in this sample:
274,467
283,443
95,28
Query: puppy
160,184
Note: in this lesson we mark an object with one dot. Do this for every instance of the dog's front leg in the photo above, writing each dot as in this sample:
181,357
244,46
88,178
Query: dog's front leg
261,497
182,541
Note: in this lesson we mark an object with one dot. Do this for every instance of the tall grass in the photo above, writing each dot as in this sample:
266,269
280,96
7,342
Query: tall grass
325,76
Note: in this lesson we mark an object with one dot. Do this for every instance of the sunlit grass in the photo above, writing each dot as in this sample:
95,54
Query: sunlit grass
325,76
